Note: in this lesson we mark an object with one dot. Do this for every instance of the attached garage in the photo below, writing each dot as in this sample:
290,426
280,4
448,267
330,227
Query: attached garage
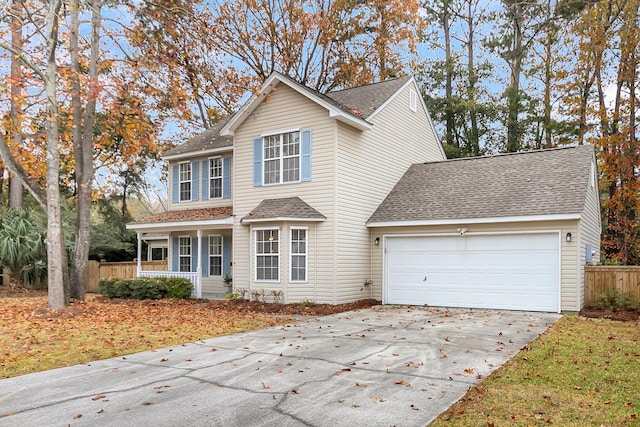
498,271
508,232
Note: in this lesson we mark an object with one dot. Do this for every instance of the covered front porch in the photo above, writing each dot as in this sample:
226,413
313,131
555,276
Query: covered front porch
199,245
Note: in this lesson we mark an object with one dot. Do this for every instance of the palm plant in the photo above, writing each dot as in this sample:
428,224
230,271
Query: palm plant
22,247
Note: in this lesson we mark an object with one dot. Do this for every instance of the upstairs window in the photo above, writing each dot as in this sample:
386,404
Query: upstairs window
185,181
282,158
215,178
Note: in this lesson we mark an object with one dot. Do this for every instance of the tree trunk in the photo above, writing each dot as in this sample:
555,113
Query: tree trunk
474,134
56,252
548,82
513,91
83,143
448,65
15,115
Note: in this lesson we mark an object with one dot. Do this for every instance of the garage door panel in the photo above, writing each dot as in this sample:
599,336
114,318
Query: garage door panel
517,272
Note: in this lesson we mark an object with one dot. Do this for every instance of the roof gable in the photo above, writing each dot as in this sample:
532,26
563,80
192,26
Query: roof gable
546,182
351,106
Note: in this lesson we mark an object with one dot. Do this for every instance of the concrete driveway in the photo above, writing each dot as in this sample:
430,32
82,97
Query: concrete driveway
386,366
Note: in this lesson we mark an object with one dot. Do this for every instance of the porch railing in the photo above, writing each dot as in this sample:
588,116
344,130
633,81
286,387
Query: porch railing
191,275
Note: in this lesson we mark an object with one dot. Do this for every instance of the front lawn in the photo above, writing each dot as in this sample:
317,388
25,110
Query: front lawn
580,372
34,338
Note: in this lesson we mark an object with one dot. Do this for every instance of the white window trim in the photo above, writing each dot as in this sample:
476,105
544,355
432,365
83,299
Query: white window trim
279,132
306,254
221,178
221,256
180,182
282,157
180,256
255,254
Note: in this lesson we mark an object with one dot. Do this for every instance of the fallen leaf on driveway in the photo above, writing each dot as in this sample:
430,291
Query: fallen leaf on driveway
98,397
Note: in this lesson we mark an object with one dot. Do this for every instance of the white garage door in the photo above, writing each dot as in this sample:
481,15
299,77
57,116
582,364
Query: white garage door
514,271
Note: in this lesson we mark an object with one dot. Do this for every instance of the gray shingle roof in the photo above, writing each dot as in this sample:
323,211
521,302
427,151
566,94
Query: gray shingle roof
290,207
546,182
359,102
364,100
207,140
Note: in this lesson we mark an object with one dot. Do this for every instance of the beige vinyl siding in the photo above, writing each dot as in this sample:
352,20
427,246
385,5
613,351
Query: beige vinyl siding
196,204
285,110
369,165
568,256
590,232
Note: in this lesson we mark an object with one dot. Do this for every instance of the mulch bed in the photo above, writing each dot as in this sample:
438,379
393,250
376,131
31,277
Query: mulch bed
295,309
232,305
624,316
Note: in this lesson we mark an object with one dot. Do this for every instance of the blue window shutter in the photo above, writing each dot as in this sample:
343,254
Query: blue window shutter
257,162
226,255
205,256
194,253
305,153
205,180
226,177
194,181
174,254
175,186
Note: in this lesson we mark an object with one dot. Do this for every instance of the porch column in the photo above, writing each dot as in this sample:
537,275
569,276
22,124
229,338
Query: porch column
139,268
199,266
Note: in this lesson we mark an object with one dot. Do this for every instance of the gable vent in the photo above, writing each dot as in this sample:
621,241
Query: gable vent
413,100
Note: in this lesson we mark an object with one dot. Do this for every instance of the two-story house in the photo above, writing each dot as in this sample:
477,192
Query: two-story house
314,197
279,195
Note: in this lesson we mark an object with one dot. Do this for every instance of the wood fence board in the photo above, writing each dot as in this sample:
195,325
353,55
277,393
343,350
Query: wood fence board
118,270
601,279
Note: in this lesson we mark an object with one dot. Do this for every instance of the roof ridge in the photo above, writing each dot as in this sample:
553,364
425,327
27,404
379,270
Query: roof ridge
368,84
492,156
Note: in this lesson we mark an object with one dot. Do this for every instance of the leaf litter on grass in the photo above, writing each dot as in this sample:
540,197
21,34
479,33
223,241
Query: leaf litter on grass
581,372
35,338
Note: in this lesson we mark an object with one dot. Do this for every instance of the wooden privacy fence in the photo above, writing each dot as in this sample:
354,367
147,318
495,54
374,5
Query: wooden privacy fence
119,270
600,279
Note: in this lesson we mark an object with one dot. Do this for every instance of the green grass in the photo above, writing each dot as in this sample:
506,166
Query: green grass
581,372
